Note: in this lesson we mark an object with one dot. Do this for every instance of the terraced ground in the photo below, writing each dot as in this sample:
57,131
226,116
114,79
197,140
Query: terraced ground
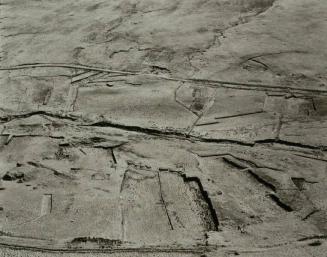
180,128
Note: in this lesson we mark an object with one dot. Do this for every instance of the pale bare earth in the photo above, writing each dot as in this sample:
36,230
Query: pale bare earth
171,128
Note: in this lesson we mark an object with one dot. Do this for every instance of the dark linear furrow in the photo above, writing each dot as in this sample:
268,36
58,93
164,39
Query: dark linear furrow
164,202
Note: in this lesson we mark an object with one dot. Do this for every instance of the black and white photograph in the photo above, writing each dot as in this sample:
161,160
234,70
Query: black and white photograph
163,128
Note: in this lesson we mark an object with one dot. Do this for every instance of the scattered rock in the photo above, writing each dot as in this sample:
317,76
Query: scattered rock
13,175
